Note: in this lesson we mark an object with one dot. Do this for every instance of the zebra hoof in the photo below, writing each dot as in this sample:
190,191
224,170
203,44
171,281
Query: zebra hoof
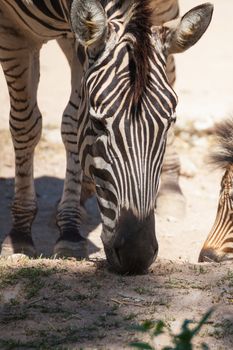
69,248
18,243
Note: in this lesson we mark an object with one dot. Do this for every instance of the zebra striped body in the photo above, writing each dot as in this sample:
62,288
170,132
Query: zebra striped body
24,27
126,106
43,20
219,243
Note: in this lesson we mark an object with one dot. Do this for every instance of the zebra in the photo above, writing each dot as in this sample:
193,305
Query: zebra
219,243
125,113
115,125
24,27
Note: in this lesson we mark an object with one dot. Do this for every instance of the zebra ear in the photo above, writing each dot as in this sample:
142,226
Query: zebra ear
89,22
182,33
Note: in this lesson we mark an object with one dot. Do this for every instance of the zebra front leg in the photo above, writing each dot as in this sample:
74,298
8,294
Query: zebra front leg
69,215
21,68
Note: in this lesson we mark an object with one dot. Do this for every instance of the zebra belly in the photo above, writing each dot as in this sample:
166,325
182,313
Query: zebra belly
164,11
33,20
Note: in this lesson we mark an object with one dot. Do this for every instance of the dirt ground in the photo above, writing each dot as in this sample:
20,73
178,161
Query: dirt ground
64,304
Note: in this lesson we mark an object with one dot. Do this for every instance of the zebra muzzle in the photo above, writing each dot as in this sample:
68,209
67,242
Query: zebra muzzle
134,246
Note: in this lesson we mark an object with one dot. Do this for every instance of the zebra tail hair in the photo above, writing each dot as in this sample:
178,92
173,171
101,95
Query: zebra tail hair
222,156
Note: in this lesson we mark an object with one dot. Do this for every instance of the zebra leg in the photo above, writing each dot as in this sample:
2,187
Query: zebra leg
170,201
20,63
71,243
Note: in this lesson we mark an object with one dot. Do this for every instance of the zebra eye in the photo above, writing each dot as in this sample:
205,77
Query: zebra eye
98,124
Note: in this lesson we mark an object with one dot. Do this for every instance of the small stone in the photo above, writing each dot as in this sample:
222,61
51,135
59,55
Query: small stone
204,125
16,257
188,168
52,136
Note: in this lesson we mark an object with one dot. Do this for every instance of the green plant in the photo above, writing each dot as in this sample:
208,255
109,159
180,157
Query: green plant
181,341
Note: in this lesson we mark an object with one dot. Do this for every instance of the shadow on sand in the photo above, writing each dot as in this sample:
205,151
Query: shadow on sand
44,229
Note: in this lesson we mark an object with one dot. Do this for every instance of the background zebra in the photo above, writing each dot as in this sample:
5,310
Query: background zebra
24,27
142,64
219,243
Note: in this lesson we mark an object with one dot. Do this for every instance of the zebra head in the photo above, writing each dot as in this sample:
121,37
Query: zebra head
126,110
218,246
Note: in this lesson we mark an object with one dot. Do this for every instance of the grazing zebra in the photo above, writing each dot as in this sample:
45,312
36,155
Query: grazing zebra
219,243
127,106
121,106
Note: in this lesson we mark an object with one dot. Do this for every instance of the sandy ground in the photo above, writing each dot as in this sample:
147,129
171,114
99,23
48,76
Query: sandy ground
82,304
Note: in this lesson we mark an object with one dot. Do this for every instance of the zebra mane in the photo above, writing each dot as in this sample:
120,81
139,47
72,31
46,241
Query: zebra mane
139,26
223,155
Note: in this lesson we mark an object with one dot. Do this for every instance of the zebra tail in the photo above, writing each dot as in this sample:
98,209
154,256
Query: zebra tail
222,156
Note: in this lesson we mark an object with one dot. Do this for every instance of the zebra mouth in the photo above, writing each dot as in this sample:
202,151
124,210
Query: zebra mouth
135,265
134,246
211,255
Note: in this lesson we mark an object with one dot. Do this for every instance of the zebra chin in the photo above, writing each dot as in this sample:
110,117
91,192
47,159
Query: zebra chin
133,247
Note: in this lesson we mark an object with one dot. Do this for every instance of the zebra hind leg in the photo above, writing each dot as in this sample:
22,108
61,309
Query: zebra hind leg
170,200
20,64
69,213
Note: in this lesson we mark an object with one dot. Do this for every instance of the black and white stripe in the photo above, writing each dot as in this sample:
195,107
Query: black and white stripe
123,124
136,131
24,27
127,106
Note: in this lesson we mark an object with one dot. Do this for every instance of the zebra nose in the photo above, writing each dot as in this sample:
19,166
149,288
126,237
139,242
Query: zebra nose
206,255
134,247
210,255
